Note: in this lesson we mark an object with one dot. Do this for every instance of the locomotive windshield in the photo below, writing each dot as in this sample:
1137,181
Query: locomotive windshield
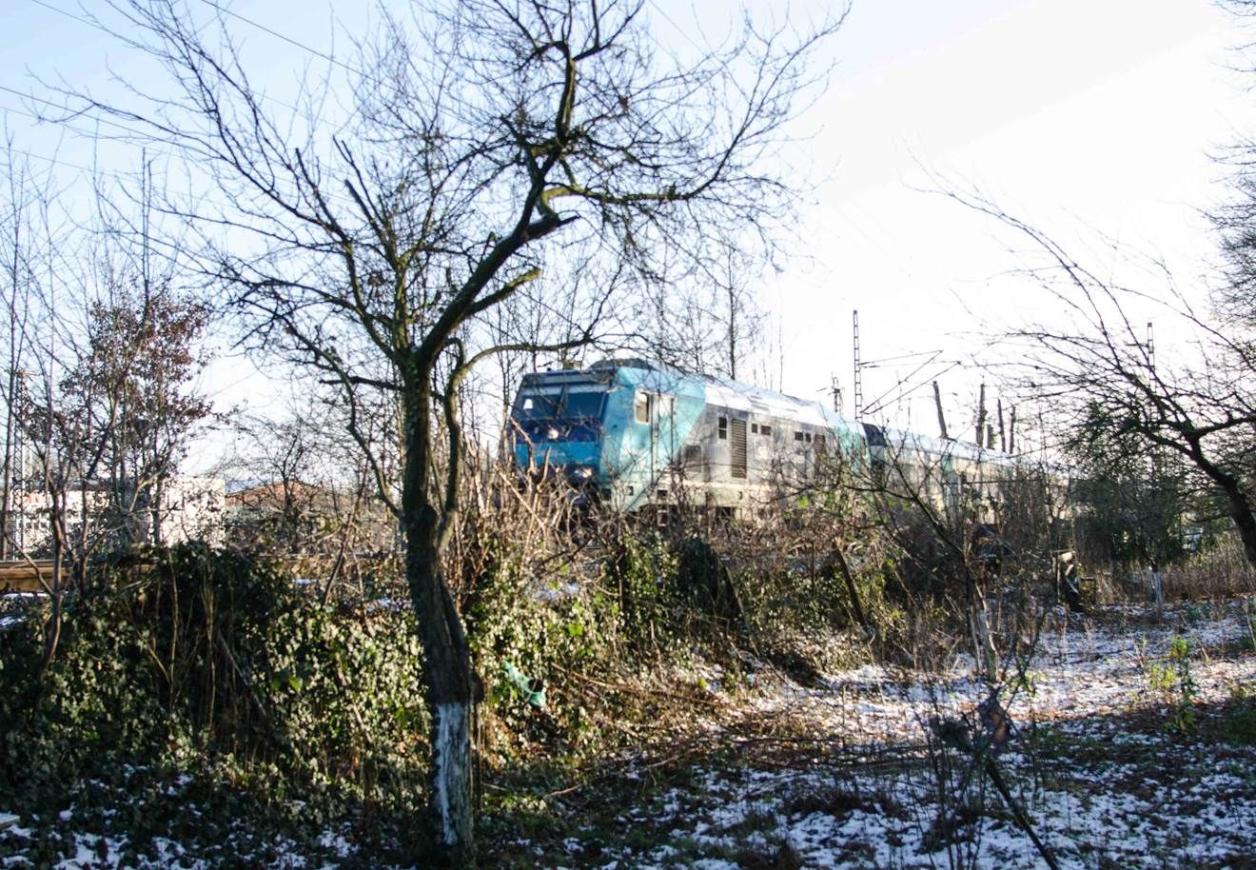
566,405
561,415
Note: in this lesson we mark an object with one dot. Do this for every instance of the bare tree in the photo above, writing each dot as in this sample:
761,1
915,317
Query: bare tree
1103,376
24,194
714,324
486,140
300,489
1235,219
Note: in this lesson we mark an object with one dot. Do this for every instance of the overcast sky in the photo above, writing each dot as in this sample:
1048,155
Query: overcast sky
1095,119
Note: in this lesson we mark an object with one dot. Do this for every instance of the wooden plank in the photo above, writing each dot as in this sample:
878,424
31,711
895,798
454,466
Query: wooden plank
24,576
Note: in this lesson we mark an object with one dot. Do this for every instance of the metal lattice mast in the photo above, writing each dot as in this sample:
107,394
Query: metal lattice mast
858,374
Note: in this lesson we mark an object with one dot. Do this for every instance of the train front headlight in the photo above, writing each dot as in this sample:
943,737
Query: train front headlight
584,472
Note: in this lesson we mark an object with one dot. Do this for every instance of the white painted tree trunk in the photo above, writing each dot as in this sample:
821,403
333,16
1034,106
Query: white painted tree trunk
983,640
451,774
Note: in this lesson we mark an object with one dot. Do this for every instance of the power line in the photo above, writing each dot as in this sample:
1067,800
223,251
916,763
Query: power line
67,164
288,39
682,31
296,43
55,162
149,137
27,96
904,387
96,25
871,364
77,18
147,140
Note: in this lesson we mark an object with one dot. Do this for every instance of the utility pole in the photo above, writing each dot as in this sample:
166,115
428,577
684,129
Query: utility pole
937,401
858,367
981,415
1002,431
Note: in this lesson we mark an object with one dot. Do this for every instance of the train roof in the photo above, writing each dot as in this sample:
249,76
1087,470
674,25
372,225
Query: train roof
746,397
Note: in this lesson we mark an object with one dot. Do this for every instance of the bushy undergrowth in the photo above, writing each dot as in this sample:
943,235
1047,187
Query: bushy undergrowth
1220,568
212,665
567,620
216,666
525,633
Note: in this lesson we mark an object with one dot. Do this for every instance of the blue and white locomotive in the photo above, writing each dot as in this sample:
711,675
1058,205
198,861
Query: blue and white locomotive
635,433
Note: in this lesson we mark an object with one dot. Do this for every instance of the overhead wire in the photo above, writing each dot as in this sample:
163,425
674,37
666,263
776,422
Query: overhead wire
871,364
88,134
151,137
901,390
332,59
67,14
96,25
52,160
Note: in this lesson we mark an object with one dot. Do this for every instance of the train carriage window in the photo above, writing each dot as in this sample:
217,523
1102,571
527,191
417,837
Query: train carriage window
643,405
723,433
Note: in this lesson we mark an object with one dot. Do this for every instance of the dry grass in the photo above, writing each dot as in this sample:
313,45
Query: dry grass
1222,570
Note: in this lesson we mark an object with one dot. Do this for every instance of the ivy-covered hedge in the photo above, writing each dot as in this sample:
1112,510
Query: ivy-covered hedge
207,692
212,662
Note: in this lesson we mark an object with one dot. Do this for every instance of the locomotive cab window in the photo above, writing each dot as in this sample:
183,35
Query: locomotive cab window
797,436
765,430
644,405
723,429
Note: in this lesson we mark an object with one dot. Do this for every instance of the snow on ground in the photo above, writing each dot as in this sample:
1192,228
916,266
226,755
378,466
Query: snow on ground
1095,760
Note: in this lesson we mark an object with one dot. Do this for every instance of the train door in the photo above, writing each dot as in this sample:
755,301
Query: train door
662,443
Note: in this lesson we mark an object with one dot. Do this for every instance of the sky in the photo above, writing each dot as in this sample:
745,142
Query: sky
1096,120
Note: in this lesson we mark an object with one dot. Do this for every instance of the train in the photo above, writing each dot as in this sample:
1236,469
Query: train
631,434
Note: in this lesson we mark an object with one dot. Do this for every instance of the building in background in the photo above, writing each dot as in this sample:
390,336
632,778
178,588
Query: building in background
98,515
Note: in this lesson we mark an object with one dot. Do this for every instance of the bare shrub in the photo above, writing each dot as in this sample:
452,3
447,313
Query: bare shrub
1221,569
